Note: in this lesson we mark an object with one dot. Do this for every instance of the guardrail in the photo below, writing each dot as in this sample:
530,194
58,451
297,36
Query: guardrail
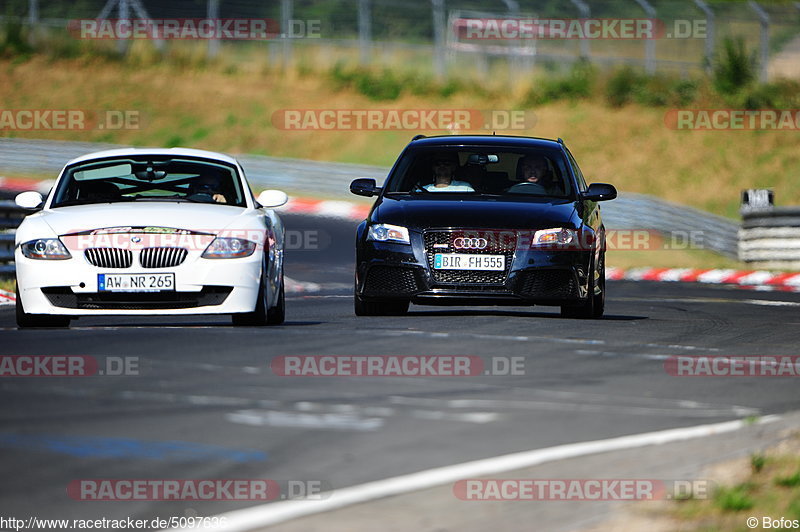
770,238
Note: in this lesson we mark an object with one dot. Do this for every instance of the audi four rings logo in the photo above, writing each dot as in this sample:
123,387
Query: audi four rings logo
470,243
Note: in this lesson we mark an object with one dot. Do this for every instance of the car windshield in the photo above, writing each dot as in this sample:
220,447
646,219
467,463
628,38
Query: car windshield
479,172
149,179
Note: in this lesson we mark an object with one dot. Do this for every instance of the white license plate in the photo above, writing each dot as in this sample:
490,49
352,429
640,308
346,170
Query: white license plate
464,261
135,282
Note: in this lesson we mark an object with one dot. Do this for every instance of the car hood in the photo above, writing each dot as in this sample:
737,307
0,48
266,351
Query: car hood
193,216
483,213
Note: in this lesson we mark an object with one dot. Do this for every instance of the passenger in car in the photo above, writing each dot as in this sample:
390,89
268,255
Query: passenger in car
444,169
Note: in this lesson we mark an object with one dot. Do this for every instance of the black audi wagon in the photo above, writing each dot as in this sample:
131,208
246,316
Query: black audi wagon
482,220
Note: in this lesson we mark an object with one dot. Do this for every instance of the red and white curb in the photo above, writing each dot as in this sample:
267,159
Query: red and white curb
326,208
7,298
21,185
752,279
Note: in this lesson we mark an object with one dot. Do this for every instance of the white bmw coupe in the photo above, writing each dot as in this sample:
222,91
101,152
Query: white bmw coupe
150,232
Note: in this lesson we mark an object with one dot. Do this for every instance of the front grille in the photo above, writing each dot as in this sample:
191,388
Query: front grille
162,257
391,281
498,243
64,297
109,257
547,284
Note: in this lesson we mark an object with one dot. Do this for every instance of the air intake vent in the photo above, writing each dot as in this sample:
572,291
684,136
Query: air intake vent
109,257
162,257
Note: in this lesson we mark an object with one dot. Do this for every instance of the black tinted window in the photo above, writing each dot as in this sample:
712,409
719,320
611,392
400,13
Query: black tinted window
481,171
133,179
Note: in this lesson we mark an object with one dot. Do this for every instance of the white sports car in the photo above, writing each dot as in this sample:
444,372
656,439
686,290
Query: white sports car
150,232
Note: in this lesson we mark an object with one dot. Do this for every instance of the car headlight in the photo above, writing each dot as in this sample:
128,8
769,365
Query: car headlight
45,249
229,248
559,236
388,233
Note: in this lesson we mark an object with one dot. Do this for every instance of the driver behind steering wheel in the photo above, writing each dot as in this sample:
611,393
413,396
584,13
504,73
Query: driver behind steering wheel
208,186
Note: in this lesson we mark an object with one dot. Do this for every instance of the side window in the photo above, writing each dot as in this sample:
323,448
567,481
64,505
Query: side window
577,171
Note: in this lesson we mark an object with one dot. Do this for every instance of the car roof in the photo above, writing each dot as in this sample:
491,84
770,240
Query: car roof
134,152
484,140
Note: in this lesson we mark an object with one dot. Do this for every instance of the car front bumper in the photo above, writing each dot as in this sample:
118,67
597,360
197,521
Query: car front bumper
401,271
202,286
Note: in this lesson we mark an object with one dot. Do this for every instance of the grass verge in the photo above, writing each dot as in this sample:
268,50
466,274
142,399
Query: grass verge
765,486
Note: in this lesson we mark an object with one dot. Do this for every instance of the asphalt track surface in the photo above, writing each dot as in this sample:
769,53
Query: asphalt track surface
206,404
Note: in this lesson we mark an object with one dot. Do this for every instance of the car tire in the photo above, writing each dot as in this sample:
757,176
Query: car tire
25,320
380,308
261,314
594,306
277,315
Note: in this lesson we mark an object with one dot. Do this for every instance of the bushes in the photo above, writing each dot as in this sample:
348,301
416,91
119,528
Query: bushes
14,42
627,85
623,85
734,69
579,83
389,85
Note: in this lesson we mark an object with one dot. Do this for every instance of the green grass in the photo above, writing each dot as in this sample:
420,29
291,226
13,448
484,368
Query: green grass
766,486
735,499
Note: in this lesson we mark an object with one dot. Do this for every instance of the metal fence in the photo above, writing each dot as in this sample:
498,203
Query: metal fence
423,34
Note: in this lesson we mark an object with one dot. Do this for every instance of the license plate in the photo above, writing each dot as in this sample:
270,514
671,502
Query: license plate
135,282
465,261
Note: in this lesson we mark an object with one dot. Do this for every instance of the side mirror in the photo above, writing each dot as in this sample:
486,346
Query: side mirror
272,198
28,200
600,192
364,187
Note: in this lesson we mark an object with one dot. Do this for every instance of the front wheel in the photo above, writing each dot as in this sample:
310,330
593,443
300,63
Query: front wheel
277,313
25,320
594,306
262,314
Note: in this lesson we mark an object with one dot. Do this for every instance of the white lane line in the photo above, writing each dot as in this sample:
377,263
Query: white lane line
272,418
763,302
663,407
433,334
682,347
279,512
770,303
